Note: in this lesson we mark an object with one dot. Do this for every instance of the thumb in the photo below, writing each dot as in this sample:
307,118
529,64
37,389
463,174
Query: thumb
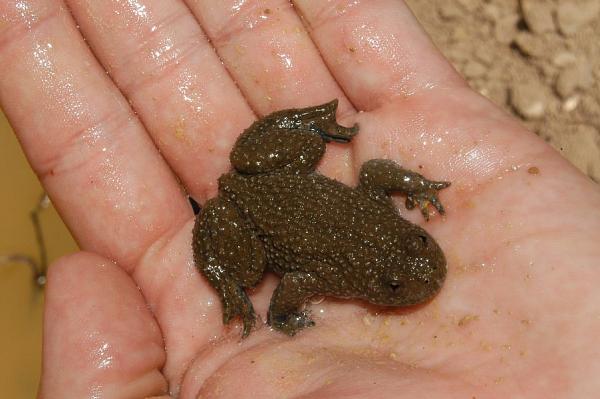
100,339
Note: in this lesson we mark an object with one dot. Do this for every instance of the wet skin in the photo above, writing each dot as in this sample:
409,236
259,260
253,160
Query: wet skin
274,212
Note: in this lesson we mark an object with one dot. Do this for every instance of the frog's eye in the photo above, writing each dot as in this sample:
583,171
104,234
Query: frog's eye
395,286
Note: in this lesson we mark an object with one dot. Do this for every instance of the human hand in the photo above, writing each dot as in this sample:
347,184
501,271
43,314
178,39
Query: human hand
517,316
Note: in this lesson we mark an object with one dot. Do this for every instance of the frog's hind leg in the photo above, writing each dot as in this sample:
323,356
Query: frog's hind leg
380,177
231,256
291,141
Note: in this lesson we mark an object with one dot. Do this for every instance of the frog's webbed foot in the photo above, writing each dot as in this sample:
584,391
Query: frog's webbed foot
292,322
426,196
381,177
291,293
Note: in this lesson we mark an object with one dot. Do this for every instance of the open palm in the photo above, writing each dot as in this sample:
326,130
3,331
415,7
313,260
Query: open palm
130,316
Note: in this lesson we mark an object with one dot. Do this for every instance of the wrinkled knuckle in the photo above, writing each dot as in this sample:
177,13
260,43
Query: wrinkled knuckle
20,18
251,16
156,56
330,11
81,147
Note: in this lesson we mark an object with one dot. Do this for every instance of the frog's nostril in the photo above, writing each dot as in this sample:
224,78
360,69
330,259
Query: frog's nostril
423,239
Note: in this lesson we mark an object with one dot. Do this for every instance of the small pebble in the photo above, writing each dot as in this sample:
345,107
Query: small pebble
570,103
548,70
449,10
506,28
573,78
591,109
531,45
573,15
491,12
486,55
460,34
474,69
529,99
469,5
564,58
538,15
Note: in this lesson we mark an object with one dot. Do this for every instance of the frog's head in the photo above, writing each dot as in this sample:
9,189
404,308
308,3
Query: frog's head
412,273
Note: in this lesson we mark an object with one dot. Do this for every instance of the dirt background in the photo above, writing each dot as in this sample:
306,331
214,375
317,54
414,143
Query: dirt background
537,59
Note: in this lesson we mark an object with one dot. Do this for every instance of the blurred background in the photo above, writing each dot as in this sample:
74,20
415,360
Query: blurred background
21,300
538,59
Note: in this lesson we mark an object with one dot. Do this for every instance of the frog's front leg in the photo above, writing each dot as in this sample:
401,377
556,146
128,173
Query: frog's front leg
381,177
291,140
289,296
230,256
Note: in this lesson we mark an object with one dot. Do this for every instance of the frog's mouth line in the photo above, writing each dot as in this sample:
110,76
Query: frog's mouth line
338,139
328,137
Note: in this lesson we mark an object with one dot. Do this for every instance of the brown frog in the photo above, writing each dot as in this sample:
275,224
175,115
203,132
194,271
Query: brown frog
275,213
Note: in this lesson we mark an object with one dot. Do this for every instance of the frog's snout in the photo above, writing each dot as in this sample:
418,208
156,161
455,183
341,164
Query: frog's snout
417,285
417,277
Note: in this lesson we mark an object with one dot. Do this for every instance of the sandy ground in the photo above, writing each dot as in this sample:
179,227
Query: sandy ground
538,59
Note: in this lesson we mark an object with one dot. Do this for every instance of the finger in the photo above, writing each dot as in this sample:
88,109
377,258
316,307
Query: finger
376,50
269,53
80,136
273,60
161,60
100,340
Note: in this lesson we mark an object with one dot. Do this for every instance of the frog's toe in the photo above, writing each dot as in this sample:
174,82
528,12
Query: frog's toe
424,201
248,320
438,185
239,304
247,316
438,205
424,207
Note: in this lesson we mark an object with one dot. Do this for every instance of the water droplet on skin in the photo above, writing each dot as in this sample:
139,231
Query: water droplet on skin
103,357
26,13
96,392
161,54
286,60
138,9
237,6
188,88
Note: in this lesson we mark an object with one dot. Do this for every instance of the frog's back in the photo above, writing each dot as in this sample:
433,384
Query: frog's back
303,218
